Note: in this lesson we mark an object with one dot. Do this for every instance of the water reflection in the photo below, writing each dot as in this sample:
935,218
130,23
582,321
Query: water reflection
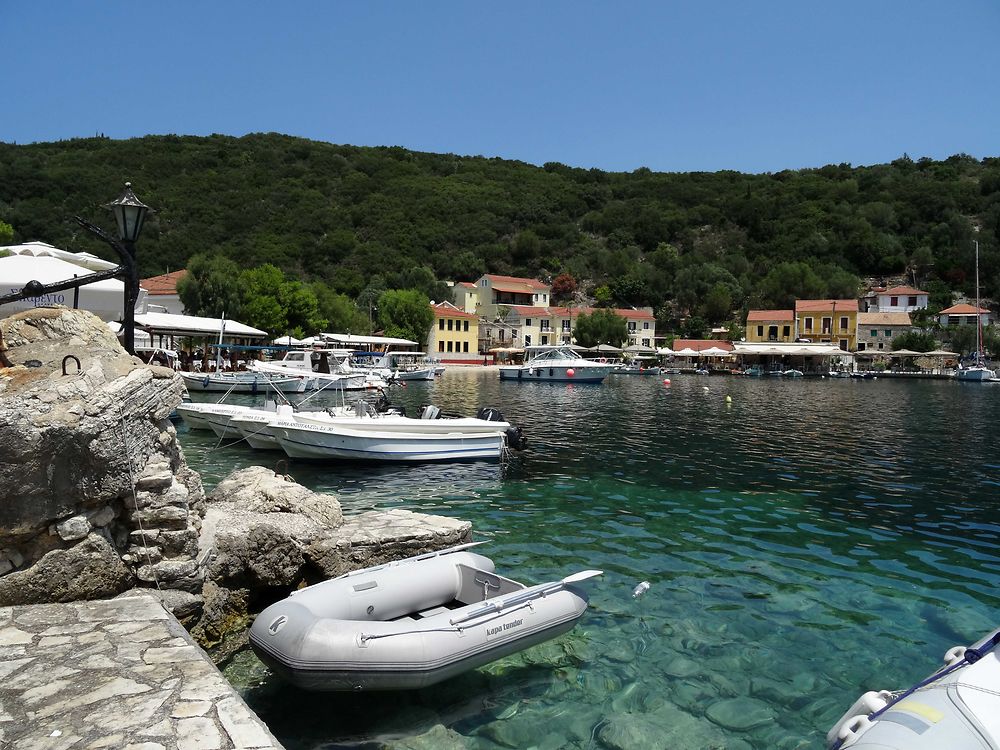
810,540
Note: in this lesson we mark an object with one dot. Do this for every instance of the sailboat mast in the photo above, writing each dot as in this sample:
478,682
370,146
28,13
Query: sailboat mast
979,316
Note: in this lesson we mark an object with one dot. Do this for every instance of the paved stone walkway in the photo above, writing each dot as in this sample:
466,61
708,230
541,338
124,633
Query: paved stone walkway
119,674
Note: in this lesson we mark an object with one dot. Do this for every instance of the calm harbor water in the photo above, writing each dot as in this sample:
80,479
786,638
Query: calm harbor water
810,541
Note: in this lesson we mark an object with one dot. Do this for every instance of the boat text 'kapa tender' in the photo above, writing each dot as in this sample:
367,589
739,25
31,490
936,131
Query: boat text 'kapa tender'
411,623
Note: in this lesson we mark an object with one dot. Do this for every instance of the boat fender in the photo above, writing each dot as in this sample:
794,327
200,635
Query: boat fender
204,382
855,720
954,655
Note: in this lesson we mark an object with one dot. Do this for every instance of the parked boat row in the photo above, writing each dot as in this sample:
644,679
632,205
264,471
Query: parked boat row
359,432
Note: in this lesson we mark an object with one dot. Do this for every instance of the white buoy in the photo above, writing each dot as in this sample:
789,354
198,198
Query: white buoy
641,589
729,399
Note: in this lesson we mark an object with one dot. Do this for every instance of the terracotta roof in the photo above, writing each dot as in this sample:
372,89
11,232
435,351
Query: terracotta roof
448,310
466,284
572,312
963,309
165,283
826,305
530,283
884,319
701,344
768,315
901,291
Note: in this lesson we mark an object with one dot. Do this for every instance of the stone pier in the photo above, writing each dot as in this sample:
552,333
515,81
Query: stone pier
121,674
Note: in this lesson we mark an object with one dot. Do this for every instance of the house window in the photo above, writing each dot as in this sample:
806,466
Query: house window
527,339
441,324
465,346
565,339
566,326
440,346
465,325
760,332
843,324
544,325
772,333
893,301
809,324
645,325
545,340
911,301
631,326
861,346
450,323
450,346
888,333
527,321
484,282
786,331
874,332
827,325
645,342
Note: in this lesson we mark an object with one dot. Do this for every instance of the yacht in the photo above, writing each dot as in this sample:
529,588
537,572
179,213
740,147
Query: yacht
326,369
556,364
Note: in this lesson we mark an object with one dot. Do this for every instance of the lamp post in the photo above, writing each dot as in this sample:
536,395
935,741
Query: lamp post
130,213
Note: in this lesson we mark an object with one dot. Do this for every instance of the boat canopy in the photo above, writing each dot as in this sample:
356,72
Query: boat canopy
348,339
168,324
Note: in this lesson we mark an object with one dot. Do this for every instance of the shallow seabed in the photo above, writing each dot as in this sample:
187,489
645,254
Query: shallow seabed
810,541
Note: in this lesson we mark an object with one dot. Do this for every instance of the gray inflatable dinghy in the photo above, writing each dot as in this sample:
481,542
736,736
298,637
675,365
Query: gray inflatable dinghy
411,623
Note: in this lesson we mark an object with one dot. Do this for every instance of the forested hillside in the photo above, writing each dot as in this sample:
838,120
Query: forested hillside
698,244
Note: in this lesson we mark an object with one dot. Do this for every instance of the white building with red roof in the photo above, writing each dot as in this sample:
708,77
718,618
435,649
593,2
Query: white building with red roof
465,296
901,299
549,326
162,291
964,315
495,291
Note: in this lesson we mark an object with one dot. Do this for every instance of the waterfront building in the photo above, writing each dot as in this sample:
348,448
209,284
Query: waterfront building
454,335
876,330
964,315
162,291
827,321
770,325
549,326
495,292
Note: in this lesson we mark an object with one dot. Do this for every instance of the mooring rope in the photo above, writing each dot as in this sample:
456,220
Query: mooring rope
135,500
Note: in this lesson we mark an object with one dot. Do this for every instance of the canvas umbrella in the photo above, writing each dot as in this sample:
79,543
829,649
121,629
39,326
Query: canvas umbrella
103,298
940,353
686,352
604,349
287,341
715,351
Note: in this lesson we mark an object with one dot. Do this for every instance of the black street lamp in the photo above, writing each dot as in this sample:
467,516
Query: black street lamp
130,213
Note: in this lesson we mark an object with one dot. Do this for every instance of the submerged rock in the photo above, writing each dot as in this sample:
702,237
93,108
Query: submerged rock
740,714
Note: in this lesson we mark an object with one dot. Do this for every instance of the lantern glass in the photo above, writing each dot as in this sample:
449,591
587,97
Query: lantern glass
130,213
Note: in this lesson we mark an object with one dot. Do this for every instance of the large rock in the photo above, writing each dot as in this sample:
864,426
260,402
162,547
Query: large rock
87,457
261,490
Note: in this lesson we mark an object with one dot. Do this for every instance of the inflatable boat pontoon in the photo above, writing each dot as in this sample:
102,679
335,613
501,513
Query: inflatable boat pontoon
411,623
955,708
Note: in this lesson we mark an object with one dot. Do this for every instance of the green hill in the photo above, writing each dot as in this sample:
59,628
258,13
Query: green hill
694,243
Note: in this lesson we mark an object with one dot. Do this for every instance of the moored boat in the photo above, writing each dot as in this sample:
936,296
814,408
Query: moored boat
249,381
411,623
557,364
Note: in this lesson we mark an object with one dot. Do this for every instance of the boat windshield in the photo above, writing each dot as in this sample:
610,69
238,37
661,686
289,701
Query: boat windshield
559,352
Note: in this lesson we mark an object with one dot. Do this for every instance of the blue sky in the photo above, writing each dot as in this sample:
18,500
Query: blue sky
749,85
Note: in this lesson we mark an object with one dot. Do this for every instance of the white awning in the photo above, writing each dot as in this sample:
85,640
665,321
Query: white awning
103,298
351,340
43,249
189,325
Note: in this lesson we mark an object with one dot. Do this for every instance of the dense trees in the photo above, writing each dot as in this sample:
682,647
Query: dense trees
360,221
600,327
405,313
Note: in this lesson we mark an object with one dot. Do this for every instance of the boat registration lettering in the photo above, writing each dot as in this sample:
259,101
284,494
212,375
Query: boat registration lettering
490,632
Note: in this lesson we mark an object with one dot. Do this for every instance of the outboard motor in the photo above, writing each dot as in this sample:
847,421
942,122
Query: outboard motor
490,414
516,439
430,412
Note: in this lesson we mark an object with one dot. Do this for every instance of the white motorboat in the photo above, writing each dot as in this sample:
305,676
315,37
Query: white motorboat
363,443
556,364
395,365
411,623
197,415
248,381
325,369
955,708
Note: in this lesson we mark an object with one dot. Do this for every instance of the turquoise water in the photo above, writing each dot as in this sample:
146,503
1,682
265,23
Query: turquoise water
810,541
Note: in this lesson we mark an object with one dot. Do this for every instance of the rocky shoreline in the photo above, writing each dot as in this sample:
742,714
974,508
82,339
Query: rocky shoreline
97,500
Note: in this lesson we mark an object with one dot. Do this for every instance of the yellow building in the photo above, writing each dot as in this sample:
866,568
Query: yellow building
828,321
770,326
454,336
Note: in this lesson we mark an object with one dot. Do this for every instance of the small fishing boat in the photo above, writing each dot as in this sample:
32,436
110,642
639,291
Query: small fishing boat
242,382
955,708
196,415
324,369
557,364
977,372
792,373
411,623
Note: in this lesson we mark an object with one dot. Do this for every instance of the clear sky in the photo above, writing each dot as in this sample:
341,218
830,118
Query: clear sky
751,85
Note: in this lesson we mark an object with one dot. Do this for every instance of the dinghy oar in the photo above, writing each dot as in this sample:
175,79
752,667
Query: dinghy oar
520,597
